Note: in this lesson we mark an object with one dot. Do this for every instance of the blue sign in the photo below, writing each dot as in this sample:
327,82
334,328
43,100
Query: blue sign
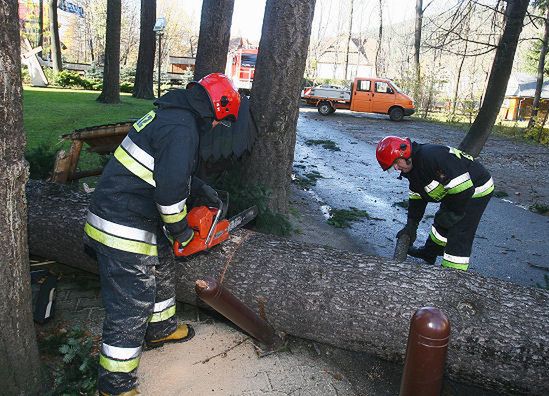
71,7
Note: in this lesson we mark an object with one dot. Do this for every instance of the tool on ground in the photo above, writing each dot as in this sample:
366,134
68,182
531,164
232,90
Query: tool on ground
211,228
401,248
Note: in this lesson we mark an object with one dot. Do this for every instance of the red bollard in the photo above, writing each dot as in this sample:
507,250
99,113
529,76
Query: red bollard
426,353
220,299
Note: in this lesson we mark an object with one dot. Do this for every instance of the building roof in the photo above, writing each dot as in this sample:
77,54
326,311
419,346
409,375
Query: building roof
523,85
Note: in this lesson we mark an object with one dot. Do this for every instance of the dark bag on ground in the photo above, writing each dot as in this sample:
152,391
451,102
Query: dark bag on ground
43,285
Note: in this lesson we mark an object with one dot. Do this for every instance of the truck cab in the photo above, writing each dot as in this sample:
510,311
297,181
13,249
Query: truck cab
367,95
382,96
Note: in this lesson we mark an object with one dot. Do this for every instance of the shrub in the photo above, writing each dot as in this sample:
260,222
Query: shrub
126,87
41,160
67,79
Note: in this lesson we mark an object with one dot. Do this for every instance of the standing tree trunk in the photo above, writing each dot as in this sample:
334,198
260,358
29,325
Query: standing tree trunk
40,42
111,70
144,74
541,69
213,40
57,63
20,364
499,76
417,46
377,63
349,40
275,96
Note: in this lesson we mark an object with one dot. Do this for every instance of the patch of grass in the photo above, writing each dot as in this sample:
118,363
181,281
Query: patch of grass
50,113
500,194
342,218
308,180
401,204
72,356
539,208
327,144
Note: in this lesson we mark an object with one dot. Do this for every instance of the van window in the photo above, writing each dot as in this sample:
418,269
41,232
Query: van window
248,60
363,85
383,87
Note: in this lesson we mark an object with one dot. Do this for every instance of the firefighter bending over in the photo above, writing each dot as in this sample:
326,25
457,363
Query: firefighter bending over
137,210
442,174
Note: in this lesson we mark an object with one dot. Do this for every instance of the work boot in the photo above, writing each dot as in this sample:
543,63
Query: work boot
183,333
131,392
422,253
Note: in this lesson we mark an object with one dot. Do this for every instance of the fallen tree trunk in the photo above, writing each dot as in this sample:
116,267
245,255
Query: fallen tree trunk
500,330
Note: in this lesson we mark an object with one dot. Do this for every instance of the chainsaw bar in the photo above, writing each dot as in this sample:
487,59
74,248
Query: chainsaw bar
243,218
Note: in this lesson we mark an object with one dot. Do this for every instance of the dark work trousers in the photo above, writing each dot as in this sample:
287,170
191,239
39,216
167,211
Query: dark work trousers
455,244
139,303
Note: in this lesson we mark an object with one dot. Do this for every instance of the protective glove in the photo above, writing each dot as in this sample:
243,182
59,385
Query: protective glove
447,218
409,229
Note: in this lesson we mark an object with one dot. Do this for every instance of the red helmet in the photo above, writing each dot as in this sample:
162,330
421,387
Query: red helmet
391,148
223,95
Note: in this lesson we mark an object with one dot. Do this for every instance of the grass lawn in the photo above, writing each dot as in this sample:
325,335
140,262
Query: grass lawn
49,113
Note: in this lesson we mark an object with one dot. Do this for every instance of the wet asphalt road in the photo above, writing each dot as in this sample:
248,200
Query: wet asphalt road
510,244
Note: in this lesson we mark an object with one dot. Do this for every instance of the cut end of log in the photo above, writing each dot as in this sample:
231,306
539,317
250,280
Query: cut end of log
201,284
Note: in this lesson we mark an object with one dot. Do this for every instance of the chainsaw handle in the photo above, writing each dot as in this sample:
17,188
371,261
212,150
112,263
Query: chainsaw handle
216,220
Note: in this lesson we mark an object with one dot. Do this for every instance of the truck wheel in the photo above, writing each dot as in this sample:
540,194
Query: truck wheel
396,114
325,108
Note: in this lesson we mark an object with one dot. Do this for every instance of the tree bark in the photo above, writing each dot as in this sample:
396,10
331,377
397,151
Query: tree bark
40,42
377,63
417,46
213,39
541,70
55,44
111,69
144,74
500,331
20,372
499,76
275,96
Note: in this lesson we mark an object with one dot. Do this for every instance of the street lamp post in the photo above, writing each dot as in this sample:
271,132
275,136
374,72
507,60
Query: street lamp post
159,27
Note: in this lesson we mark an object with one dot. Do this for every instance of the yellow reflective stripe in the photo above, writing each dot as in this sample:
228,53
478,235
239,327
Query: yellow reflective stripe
436,240
120,243
160,316
449,264
437,193
133,166
414,195
461,187
174,218
485,189
118,366
144,121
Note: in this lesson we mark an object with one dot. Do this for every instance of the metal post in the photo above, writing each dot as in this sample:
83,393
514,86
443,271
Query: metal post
159,61
426,353
220,299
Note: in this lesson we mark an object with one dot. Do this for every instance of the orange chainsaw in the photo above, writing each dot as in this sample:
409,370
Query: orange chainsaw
210,228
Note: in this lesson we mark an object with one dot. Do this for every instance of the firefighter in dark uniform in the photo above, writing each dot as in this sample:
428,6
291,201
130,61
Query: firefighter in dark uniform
137,211
442,174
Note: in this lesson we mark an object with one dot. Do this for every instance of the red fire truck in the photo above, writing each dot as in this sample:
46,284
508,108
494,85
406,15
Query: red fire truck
241,68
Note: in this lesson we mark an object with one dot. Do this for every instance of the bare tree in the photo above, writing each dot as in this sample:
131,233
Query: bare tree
379,40
20,364
40,42
349,36
462,61
144,74
499,76
213,40
540,72
56,60
111,69
275,96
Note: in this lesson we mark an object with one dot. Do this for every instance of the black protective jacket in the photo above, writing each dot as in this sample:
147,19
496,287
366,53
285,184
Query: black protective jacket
447,175
146,184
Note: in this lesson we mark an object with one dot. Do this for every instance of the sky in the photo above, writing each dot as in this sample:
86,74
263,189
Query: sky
248,14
